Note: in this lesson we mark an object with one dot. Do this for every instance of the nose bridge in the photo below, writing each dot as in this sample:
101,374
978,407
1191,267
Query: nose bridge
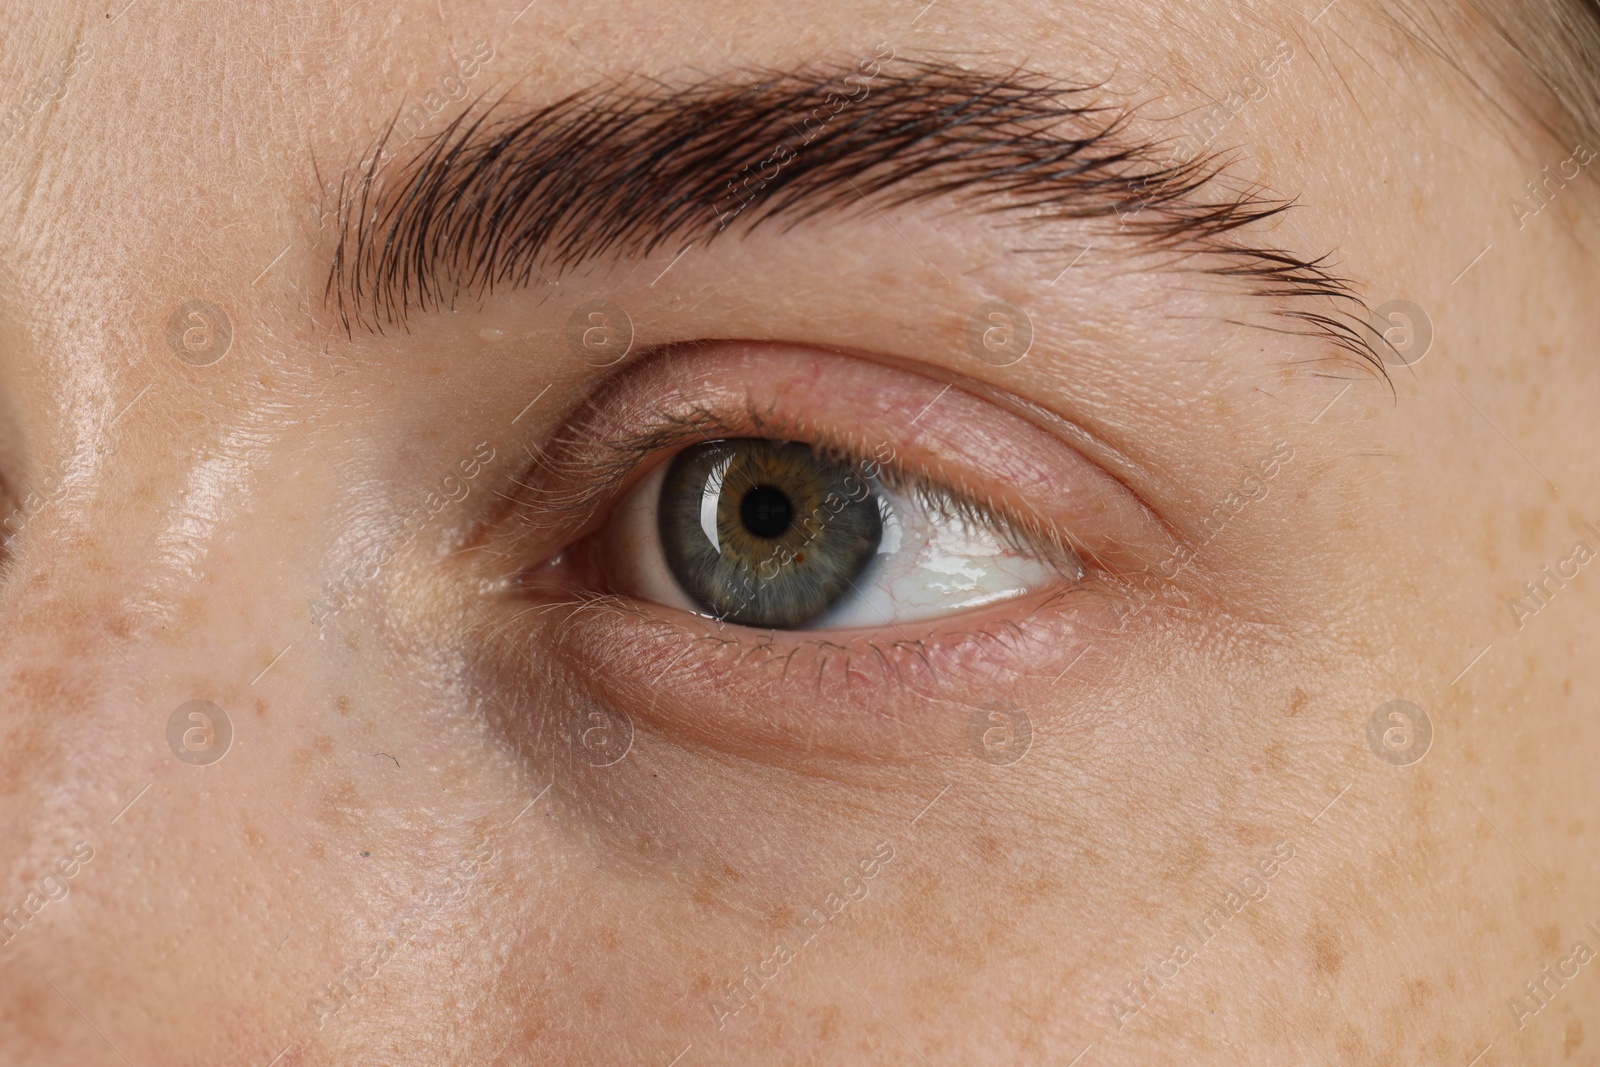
210,491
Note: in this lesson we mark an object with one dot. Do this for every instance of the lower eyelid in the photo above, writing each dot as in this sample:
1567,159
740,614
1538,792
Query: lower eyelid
818,698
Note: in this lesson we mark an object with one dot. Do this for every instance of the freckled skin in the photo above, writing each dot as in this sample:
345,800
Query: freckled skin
375,872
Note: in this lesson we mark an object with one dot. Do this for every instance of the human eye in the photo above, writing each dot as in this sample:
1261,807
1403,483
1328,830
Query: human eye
781,489
791,534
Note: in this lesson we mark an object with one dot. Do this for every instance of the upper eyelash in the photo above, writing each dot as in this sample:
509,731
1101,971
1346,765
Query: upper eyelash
1023,532
594,479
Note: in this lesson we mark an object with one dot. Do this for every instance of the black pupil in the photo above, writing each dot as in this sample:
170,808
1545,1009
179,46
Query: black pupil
766,511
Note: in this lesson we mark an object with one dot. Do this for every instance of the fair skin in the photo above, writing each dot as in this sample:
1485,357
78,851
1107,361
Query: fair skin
421,739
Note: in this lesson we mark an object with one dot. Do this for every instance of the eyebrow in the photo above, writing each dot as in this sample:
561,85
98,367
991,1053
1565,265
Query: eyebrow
621,169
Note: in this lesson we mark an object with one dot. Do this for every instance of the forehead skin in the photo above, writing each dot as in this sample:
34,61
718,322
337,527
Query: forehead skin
372,827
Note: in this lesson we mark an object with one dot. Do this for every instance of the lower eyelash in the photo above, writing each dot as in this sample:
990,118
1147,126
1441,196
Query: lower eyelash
790,645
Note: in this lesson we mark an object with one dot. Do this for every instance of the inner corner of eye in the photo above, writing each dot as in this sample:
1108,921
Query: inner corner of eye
785,535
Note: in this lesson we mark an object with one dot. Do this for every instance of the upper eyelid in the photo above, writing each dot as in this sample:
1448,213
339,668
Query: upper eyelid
616,461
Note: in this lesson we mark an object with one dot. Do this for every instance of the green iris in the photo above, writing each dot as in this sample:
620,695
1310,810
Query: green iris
766,533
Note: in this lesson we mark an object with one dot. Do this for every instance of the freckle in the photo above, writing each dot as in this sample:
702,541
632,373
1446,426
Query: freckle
1297,701
1576,828
352,642
301,758
1549,938
324,746
1533,526
988,849
28,1015
342,704
455,777
28,742
317,851
1574,1038
253,838
1187,860
1326,954
368,727
341,804
260,706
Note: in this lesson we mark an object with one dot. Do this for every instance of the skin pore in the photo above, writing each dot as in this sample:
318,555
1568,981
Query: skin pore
483,802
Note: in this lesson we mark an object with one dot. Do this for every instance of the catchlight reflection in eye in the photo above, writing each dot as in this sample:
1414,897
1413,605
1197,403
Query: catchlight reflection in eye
774,534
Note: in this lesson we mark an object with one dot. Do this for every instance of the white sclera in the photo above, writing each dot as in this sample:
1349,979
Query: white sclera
930,564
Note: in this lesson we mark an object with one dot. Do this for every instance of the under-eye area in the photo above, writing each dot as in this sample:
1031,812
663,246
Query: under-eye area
709,527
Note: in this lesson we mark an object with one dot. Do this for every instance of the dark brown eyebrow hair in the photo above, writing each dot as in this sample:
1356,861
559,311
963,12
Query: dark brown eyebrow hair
624,168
